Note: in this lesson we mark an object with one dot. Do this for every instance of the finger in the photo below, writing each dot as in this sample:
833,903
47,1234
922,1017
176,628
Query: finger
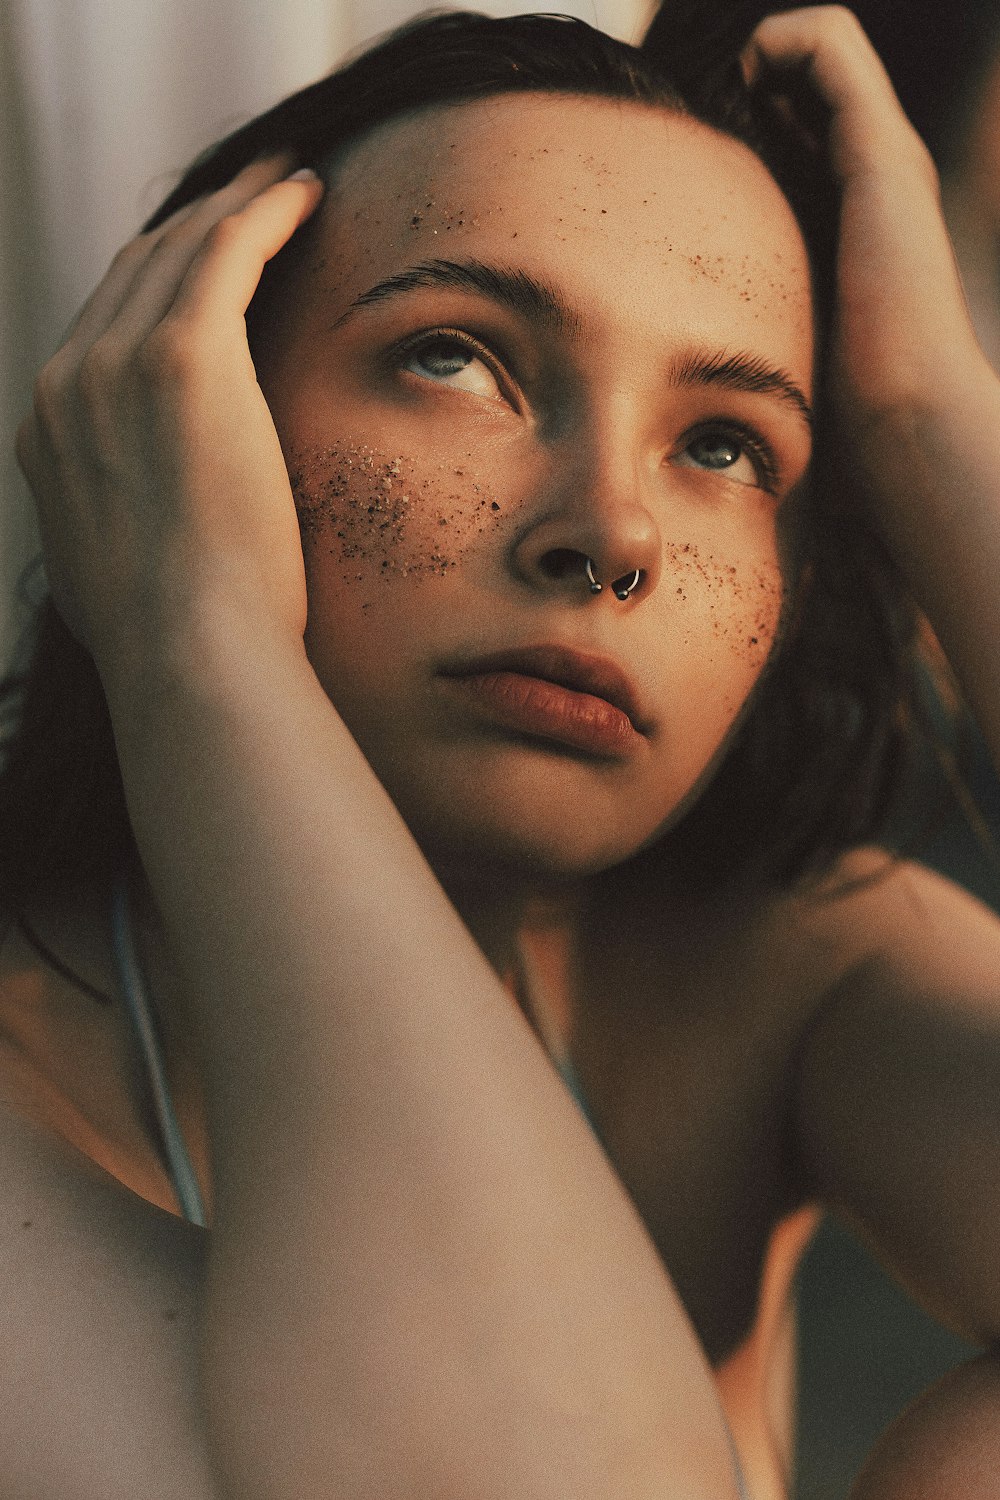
107,297
140,256
225,273
827,45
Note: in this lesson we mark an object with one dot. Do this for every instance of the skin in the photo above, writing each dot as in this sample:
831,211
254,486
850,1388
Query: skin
374,1058
433,505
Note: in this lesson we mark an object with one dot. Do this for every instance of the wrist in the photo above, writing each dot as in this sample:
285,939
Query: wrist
214,652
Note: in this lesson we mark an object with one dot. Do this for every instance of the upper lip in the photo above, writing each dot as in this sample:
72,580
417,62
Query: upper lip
568,668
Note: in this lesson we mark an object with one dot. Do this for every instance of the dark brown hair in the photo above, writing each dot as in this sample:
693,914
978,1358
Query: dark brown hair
812,768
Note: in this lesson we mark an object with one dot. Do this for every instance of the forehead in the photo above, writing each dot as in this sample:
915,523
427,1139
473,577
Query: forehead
621,205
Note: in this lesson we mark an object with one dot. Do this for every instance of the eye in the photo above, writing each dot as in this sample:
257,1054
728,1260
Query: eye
454,361
739,455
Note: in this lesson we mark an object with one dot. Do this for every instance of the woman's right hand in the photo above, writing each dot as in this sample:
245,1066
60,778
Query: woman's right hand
161,491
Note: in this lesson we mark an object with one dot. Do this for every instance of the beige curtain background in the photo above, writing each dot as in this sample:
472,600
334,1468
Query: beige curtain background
102,102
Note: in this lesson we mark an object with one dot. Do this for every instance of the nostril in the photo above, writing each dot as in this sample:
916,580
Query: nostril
627,584
563,562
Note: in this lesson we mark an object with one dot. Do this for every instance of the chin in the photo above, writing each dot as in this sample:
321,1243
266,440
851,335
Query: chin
530,818
528,853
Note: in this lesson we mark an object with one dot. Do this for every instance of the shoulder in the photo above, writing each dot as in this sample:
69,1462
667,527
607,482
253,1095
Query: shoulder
877,932
98,1331
98,1287
895,1088
883,919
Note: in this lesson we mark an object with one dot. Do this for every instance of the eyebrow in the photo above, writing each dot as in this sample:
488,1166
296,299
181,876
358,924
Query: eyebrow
522,293
741,372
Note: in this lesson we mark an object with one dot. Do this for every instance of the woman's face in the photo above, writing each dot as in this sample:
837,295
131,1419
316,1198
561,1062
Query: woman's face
521,334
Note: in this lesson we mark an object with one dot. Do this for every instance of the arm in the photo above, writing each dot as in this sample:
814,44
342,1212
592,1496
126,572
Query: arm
945,1444
424,1278
919,405
899,1130
898,1119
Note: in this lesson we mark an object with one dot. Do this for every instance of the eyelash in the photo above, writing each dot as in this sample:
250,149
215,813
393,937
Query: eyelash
759,451
417,341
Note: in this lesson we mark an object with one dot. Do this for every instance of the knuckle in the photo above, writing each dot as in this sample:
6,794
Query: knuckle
840,21
47,391
224,232
98,370
25,445
925,164
133,250
52,387
168,353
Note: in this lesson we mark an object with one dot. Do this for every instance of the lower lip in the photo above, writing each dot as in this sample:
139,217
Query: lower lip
534,706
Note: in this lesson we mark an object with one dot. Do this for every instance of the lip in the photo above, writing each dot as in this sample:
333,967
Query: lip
556,693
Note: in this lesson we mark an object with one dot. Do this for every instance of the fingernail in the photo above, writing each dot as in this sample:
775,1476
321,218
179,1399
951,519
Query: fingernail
304,174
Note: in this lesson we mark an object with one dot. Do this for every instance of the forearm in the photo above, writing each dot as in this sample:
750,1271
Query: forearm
936,462
425,1278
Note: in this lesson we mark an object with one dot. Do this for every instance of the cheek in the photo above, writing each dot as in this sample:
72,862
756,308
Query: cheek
729,611
371,520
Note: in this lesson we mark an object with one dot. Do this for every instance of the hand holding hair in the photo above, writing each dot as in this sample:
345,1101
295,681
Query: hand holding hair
150,452
916,402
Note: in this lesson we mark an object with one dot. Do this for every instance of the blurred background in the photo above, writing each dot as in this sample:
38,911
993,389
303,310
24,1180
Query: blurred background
103,102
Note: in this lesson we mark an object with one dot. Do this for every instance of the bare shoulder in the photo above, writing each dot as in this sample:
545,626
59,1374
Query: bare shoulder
883,920
98,1332
896,1085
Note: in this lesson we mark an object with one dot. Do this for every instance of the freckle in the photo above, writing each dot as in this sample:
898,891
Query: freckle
26,1223
170,1313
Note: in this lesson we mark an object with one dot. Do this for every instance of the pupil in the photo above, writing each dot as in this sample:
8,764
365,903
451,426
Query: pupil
444,359
717,454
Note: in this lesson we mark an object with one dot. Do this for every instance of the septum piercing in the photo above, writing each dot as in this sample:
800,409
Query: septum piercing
620,592
623,593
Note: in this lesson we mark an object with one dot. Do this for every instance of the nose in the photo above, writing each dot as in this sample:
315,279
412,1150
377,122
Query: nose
593,534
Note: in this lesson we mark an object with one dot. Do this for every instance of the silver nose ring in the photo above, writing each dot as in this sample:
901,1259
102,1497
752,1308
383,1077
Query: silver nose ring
623,591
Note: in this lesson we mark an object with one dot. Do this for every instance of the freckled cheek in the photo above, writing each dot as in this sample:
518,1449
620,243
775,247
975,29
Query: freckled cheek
727,615
372,522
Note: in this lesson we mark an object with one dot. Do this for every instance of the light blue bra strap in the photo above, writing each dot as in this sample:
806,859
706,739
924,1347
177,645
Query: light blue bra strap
741,1484
571,1079
134,990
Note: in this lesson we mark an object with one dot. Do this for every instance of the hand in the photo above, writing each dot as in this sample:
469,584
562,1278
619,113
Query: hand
902,335
151,454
